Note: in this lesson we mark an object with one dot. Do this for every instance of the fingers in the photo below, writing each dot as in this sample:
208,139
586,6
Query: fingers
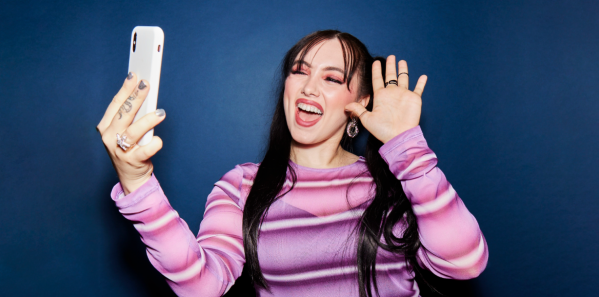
137,130
390,73
377,76
357,110
129,107
420,85
128,86
145,152
403,79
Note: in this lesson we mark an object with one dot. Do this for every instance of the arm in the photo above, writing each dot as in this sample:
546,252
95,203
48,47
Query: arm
452,244
204,266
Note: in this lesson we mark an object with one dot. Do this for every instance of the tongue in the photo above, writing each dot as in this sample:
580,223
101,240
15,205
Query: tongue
308,116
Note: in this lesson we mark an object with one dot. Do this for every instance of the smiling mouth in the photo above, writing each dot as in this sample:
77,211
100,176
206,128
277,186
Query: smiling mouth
309,108
307,113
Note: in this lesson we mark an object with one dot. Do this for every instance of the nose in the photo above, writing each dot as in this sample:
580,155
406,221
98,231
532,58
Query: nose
311,87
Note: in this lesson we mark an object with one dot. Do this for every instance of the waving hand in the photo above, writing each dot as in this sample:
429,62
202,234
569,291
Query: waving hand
395,108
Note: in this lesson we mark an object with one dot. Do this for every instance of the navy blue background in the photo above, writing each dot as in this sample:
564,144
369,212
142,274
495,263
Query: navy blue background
510,109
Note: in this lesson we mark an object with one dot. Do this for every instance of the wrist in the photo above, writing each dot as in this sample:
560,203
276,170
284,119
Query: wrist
129,185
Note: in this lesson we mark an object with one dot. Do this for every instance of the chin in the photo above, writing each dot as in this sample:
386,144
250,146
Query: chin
305,138
313,137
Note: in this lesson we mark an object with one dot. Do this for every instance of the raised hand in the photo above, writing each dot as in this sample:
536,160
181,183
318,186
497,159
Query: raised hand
132,162
395,108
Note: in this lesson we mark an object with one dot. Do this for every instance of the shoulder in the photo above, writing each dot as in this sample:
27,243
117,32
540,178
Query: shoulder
249,170
240,172
237,182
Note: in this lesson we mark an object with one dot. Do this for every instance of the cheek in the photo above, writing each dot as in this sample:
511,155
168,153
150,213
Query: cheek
291,85
290,89
287,98
339,99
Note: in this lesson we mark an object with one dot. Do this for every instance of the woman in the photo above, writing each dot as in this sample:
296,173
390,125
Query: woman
312,219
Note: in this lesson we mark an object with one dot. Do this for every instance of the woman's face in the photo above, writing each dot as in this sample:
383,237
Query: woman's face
315,95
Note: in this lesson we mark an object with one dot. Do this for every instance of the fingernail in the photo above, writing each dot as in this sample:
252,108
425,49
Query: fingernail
160,112
129,76
142,85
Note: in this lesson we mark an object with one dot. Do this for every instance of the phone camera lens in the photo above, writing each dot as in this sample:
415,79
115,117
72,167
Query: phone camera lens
134,41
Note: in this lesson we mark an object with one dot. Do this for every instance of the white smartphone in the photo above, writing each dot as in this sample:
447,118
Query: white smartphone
145,60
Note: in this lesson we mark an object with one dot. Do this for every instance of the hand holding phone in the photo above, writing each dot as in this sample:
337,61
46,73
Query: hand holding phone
127,125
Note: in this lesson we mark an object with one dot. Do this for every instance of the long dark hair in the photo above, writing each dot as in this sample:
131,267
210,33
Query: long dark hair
389,205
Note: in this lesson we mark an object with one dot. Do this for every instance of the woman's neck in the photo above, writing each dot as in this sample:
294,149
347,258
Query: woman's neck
327,154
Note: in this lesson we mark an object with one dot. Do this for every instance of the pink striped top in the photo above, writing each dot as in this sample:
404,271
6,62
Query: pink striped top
306,245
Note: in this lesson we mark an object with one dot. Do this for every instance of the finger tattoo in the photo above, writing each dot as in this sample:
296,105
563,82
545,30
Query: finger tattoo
127,106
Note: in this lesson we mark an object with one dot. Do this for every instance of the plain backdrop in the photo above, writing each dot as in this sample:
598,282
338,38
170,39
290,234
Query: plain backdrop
511,110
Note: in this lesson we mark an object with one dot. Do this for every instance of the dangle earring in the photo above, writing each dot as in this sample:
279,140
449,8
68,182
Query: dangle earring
352,128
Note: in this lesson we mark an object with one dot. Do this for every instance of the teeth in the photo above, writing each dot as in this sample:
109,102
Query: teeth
309,108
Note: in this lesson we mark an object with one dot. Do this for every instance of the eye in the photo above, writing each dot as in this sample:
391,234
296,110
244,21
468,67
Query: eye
298,70
332,79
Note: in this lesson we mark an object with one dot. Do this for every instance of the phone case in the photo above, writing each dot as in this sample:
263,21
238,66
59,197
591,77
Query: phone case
145,60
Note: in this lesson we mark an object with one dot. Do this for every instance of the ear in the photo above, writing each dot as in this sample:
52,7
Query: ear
364,100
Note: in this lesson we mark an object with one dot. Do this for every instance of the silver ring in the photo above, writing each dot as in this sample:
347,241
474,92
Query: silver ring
403,73
391,82
121,141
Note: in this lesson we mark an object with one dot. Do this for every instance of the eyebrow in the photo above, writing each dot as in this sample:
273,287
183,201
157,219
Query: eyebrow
326,68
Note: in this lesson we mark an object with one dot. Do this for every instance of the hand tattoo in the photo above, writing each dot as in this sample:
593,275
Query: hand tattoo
127,106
